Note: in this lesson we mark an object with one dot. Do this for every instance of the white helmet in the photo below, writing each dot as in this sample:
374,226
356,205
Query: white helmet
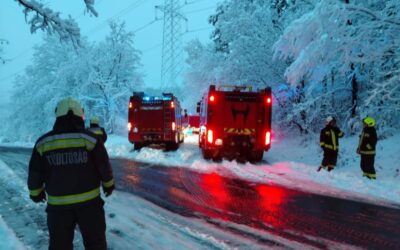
94,120
67,104
329,119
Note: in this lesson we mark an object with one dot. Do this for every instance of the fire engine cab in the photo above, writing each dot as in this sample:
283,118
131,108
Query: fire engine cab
155,120
235,122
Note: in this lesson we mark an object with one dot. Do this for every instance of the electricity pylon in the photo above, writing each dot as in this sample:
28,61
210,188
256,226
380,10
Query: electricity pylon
172,49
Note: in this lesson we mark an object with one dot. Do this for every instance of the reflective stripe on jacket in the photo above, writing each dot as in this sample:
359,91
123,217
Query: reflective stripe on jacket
100,132
329,137
70,167
368,140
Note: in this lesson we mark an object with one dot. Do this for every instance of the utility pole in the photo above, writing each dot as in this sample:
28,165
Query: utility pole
172,48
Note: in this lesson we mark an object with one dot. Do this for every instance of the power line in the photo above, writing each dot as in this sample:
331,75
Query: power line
152,47
145,26
121,13
199,29
12,75
199,10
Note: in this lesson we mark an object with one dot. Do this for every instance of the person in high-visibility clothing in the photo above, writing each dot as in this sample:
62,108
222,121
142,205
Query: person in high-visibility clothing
329,142
95,128
67,167
366,148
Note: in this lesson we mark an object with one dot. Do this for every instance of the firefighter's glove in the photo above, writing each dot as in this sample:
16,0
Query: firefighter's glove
39,198
108,190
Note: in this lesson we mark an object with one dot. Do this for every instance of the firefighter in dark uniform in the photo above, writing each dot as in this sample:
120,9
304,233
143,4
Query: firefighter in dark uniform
95,128
366,148
67,167
329,141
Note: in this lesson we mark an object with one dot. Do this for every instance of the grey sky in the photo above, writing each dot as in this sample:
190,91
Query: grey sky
136,14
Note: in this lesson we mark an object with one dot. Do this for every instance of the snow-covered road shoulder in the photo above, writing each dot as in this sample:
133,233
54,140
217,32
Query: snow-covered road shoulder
290,162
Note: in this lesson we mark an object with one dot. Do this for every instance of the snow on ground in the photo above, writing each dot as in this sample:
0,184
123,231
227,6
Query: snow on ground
8,238
133,222
291,162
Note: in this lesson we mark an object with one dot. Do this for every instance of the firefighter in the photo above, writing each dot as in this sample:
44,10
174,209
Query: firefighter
329,141
95,128
366,148
67,167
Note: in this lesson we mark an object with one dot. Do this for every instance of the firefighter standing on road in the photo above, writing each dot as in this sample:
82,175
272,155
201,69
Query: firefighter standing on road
329,141
95,128
366,148
69,164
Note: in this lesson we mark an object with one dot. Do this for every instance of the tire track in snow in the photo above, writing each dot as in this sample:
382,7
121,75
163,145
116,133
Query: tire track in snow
19,213
25,218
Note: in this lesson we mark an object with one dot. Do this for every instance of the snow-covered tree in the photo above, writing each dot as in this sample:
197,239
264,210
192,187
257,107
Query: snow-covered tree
114,74
43,18
344,61
247,29
243,37
101,76
204,68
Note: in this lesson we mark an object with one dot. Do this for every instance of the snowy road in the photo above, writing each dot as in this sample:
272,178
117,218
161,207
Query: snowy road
179,208
313,220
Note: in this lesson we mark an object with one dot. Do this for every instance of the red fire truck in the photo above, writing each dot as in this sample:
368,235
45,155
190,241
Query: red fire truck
155,120
235,122
191,122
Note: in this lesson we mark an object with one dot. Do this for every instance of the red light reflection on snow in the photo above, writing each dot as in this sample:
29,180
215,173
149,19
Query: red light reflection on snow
215,187
233,200
271,200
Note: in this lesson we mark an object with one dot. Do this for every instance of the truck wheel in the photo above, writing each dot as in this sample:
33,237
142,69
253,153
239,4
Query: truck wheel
207,154
171,146
137,146
182,138
256,156
217,158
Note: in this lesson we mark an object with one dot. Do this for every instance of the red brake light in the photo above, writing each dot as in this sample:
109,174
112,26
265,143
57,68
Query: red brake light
269,100
267,138
130,105
212,98
129,126
173,126
172,105
210,136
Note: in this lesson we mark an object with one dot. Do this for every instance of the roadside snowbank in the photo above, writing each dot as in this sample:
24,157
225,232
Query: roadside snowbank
290,162
8,238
